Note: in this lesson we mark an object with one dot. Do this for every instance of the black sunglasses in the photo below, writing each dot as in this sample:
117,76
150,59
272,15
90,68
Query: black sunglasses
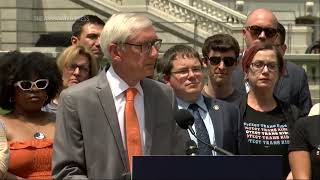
228,61
256,31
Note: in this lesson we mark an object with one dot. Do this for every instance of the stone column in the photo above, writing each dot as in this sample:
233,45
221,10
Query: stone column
16,24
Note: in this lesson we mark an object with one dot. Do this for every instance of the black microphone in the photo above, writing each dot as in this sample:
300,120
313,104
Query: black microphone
191,148
185,120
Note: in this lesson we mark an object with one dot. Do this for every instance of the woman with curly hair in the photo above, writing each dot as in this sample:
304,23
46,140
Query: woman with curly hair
76,64
27,83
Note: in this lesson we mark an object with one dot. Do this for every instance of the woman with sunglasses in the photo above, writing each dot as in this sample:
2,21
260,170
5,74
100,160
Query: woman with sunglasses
267,121
27,83
76,64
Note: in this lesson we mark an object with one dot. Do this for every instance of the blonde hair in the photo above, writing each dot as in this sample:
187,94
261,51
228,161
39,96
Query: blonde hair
70,53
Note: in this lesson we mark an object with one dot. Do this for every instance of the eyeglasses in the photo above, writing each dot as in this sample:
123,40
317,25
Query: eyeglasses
82,68
27,85
259,66
185,71
228,61
147,46
256,31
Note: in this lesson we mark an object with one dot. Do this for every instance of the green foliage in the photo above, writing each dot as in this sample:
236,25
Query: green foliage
3,111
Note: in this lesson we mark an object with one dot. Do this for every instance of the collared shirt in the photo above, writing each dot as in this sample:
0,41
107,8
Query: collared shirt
118,88
204,115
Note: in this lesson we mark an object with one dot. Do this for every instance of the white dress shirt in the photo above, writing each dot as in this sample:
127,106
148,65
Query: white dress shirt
118,88
205,117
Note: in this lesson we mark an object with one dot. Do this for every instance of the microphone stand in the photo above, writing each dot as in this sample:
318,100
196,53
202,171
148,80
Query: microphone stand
212,146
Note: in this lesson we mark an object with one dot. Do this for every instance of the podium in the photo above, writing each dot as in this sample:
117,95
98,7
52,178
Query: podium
207,167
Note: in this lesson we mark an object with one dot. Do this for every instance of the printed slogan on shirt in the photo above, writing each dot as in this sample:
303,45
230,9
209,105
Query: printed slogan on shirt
276,134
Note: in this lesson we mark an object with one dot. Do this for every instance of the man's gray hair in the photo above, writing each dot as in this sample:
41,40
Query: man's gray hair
120,27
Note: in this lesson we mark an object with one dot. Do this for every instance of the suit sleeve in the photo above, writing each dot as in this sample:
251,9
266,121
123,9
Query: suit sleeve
234,121
178,143
305,102
68,161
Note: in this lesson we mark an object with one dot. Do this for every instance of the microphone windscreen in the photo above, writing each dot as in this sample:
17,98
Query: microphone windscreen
184,118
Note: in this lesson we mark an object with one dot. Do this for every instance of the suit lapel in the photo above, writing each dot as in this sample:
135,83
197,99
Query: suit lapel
279,86
148,111
107,103
216,116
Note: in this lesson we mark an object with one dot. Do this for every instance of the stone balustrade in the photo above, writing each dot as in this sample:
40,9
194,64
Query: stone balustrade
178,21
202,22
223,13
117,1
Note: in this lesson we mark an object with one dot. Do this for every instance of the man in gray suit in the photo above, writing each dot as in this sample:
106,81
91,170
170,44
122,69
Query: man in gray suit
216,121
91,133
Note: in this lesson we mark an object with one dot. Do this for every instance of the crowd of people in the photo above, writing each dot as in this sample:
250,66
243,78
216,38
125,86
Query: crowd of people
74,118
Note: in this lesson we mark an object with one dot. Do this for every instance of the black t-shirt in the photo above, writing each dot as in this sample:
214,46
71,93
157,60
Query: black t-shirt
267,134
233,98
306,137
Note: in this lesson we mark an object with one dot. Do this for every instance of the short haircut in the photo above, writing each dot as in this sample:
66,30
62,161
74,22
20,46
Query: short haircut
86,19
16,66
220,43
69,54
282,33
120,27
252,51
172,53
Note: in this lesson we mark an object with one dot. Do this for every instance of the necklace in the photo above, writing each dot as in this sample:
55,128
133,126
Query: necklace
36,133
39,135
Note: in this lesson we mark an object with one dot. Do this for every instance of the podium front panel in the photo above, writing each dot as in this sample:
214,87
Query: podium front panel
207,167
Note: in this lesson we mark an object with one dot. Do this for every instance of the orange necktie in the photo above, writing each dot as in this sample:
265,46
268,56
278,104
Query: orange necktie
131,126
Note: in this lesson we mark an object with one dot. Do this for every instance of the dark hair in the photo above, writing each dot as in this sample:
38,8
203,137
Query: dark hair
86,19
282,33
221,43
172,53
252,51
15,66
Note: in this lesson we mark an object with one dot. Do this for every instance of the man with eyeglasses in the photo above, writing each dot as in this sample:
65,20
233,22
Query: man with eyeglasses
220,53
216,121
262,26
104,121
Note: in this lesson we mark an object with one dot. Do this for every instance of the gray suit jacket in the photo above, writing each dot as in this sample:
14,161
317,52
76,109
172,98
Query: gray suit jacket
226,124
88,141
